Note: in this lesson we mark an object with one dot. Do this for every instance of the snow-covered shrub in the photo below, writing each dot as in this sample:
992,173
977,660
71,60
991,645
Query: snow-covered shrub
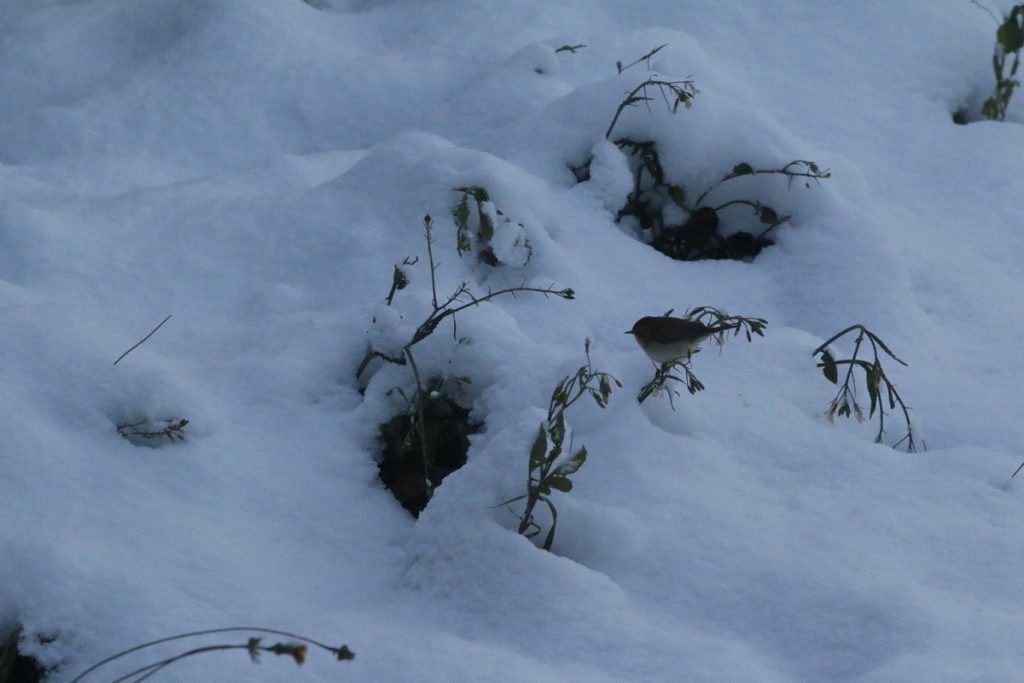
692,229
699,235
683,225
429,439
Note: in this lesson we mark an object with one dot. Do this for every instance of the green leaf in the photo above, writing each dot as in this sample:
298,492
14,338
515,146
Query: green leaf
573,464
990,109
557,429
768,215
1010,35
486,225
872,382
539,450
828,367
885,348
560,483
742,168
554,453
678,195
460,213
399,280
550,538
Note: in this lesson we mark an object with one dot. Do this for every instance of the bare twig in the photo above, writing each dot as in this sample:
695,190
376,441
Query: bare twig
645,58
141,341
253,646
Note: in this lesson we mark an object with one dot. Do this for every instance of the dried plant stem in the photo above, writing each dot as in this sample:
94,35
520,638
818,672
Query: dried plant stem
341,653
683,92
459,300
141,341
844,403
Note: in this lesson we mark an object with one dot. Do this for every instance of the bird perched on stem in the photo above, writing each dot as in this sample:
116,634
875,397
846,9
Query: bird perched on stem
665,339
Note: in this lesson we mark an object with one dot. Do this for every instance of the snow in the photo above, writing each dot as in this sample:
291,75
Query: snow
258,167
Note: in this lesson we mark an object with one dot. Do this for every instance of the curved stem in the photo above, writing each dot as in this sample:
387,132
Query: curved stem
746,202
677,87
622,105
151,669
192,634
771,227
835,336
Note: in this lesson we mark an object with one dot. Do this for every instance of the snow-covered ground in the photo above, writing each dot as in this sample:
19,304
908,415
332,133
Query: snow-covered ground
257,167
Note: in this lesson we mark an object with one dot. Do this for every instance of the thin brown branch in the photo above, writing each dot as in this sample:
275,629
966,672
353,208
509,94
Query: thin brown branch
141,341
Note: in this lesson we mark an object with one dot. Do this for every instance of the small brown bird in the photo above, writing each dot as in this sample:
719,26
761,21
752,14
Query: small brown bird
665,339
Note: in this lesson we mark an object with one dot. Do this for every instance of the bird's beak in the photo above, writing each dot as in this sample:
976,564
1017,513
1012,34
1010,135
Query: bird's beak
629,331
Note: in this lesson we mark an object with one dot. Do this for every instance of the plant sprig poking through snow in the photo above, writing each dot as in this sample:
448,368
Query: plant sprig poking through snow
253,646
498,239
421,402
461,299
1009,40
845,402
700,236
551,463
649,203
682,92
713,317
143,340
173,429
